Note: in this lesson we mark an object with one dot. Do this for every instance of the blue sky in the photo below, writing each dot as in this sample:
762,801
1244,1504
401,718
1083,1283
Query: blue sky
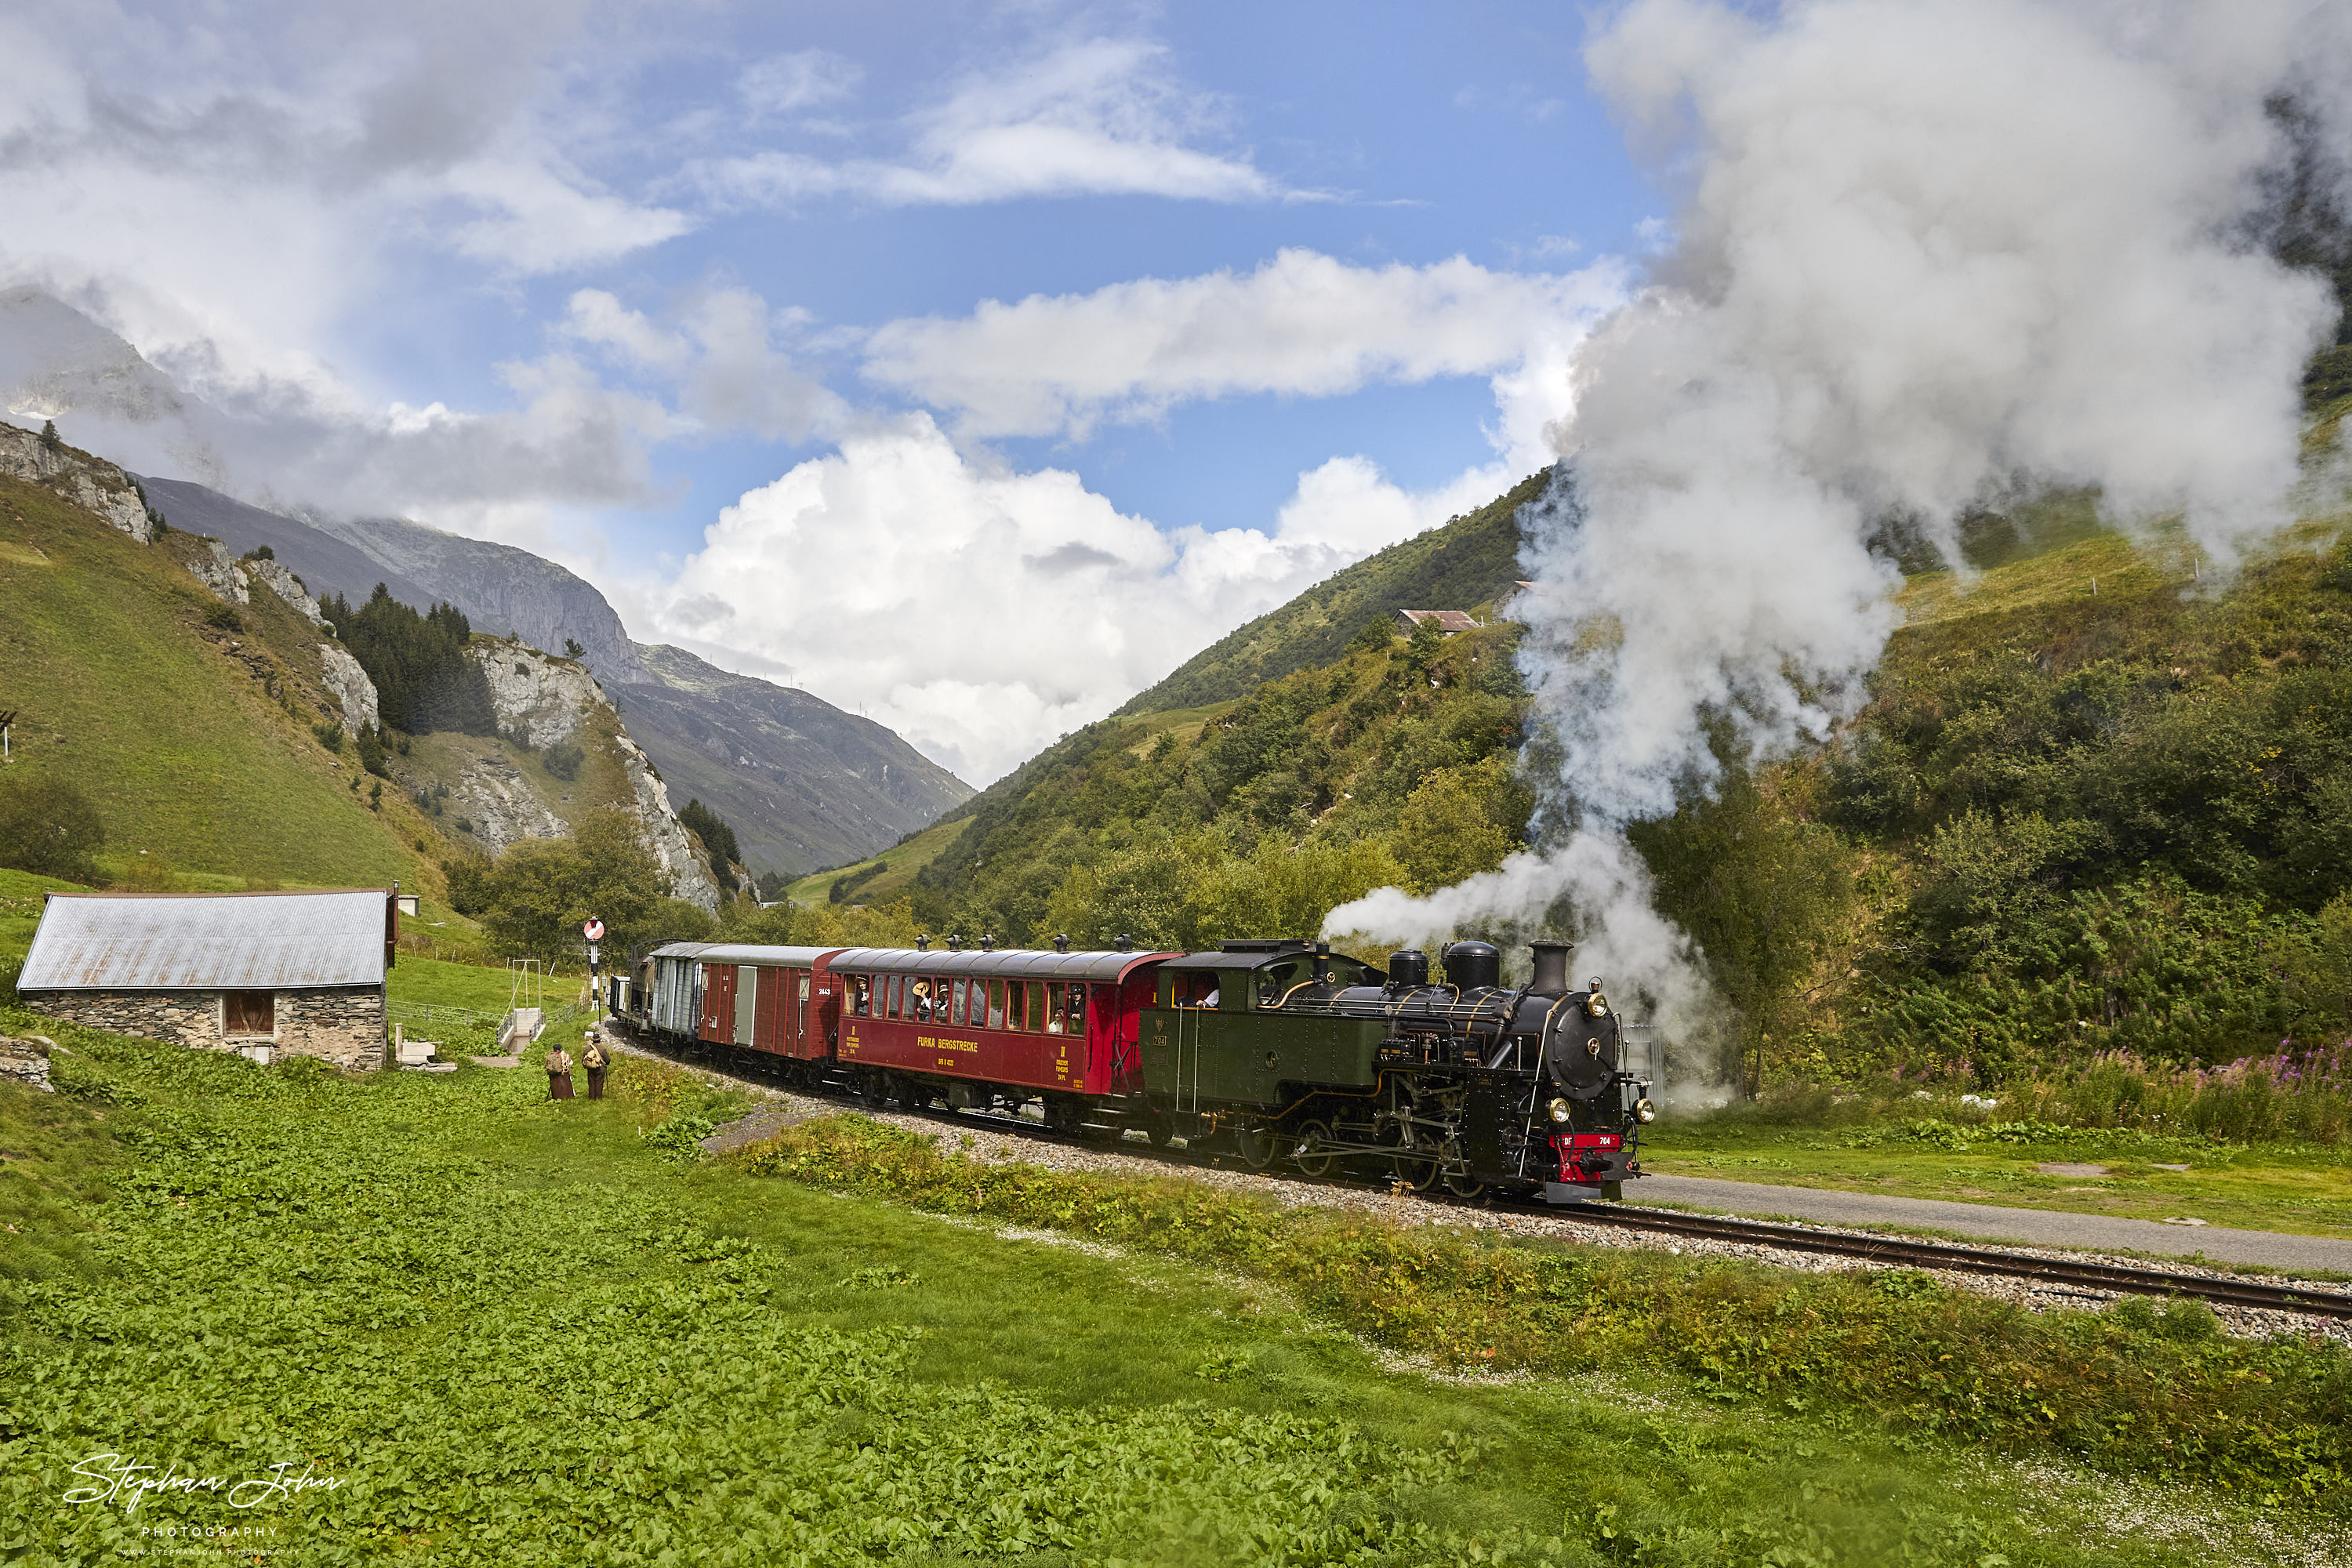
695,299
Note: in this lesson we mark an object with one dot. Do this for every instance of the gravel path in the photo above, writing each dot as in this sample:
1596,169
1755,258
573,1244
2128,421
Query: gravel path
1990,1222
782,1109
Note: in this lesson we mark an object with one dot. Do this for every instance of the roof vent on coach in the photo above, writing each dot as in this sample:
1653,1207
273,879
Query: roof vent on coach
955,941
1061,942
1126,942
923,941
988,942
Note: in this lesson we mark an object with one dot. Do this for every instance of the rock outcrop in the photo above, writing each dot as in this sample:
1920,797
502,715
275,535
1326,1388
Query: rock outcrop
542,701
350,685
217,570
690,873
274,576
74,474
26,1062
492,794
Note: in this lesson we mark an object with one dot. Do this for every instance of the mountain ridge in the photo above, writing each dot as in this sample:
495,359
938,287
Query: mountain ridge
802,783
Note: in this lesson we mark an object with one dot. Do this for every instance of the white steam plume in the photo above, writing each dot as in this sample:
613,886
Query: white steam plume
1931,255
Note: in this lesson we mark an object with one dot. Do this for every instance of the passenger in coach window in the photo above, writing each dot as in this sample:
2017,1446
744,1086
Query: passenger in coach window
923,1001
857,999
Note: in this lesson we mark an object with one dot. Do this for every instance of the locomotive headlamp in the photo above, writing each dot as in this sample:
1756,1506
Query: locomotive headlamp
1596,1004
1560,1111
1643,1111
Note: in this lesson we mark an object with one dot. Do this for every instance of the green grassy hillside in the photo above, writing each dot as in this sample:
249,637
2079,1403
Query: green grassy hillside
1469,562
881,878
1389,765
192,735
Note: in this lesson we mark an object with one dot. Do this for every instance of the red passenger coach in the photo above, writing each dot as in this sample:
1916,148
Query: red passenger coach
990,1025
778,1001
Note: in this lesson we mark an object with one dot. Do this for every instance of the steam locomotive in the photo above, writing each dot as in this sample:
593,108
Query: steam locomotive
1275,1052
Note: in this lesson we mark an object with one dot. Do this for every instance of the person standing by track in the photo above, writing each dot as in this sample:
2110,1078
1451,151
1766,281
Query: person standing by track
559,1074
593,1057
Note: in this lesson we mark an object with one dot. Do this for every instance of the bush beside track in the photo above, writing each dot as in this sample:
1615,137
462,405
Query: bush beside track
2136,1389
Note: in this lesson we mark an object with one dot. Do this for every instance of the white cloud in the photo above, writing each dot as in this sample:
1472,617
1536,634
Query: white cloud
1095,116
1302,324
786,84
980,612
719,351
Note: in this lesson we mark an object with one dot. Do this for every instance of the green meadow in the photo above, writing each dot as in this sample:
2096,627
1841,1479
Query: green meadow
489,1329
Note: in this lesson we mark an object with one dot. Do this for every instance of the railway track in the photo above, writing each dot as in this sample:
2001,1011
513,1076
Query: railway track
1886,1250
1902,1252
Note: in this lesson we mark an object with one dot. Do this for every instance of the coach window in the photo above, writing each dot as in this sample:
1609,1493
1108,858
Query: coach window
1037,1005
1076,1022
956,1017
897,996
1013,1012
996,1004
248,1013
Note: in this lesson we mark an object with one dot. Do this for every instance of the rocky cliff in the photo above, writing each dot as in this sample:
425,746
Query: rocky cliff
88,482
544,703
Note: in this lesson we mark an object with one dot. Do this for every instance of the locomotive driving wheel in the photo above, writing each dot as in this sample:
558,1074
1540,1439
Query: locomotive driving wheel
1253,1142
1417,1172
1311,1149
1463,1185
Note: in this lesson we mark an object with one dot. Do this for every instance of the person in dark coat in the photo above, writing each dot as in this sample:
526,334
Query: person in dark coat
595,1060
559,1074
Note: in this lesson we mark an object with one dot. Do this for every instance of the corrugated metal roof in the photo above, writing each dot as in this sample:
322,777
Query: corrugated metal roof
205,942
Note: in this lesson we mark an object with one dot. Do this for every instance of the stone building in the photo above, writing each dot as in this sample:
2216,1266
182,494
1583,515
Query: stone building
263,973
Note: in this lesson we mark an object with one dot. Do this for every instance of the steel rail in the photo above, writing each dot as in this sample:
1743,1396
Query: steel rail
1889,1250
2124,1278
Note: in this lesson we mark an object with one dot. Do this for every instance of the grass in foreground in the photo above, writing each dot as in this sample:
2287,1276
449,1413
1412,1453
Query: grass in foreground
518,1332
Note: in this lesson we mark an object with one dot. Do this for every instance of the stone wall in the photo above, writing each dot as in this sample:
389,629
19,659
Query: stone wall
341,1025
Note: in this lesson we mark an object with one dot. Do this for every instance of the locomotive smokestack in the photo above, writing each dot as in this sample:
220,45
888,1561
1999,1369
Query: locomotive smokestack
1551,968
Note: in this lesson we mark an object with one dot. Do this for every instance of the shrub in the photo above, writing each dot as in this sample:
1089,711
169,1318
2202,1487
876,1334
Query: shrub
368,742
49,828
223,617
329,733
563,761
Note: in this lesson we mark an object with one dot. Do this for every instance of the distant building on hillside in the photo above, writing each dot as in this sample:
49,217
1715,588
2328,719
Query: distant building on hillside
299,973
1448,621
